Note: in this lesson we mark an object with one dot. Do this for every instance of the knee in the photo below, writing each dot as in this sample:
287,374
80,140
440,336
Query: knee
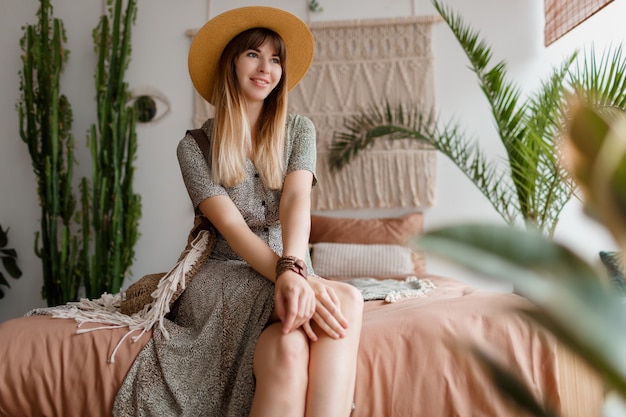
292,350
281,353
351,299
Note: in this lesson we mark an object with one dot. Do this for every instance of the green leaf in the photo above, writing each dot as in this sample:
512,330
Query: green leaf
11,266
4,238
3,280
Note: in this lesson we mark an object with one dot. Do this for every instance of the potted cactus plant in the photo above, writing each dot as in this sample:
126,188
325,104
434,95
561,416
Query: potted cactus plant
110,208
45,126
97,251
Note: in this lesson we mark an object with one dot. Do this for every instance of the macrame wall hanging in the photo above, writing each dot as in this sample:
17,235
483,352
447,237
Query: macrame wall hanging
358,64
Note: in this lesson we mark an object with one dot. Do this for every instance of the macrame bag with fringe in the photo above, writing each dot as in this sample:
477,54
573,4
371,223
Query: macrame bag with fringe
144,293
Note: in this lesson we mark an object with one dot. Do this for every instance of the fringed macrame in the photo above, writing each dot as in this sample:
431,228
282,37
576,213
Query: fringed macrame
357,64
106,309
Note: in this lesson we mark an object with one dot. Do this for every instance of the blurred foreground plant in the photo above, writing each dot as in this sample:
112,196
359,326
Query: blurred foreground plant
572,299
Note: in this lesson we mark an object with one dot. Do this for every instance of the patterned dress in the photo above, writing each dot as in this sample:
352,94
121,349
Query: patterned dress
205,369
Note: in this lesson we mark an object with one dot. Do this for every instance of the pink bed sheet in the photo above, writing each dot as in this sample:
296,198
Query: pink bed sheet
411,361
414,360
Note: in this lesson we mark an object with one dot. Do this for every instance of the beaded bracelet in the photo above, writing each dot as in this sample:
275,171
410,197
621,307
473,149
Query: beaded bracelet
291,263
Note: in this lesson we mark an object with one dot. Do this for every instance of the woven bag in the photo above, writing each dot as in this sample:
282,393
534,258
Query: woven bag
139,294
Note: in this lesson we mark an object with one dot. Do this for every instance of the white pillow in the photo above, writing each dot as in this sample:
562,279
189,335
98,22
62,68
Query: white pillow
353,260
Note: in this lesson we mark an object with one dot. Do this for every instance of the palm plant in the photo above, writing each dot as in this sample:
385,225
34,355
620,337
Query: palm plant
571,297
529,187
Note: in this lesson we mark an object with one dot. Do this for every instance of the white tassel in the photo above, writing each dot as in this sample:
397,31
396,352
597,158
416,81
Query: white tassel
105,309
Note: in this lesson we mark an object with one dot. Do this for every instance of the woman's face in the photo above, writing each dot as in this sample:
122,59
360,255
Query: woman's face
258,72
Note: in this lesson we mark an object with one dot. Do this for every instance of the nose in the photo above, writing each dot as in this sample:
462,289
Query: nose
263,66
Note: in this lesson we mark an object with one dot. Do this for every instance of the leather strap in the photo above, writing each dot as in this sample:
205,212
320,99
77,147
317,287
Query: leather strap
203,142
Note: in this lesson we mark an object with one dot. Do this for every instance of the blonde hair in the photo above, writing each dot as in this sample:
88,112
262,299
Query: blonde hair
231,131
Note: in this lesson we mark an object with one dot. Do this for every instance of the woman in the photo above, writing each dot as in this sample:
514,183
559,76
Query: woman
254,333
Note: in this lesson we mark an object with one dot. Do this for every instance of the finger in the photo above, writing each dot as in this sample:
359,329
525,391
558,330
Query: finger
291,311
307,305
308,330
329,320
331,303
336,331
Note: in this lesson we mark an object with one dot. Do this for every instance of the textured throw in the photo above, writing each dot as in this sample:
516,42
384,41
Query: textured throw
357,64
391,290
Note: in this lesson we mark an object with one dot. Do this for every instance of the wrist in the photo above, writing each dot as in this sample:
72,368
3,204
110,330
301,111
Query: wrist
291,263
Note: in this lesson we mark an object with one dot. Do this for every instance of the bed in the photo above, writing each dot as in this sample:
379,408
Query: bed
412,360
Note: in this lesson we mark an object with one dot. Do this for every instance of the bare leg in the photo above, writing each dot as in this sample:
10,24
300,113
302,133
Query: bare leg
280,367
332,363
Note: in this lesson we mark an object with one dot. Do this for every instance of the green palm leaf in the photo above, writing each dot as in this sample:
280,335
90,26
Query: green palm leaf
602,83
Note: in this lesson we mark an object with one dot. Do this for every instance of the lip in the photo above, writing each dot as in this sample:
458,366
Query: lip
261,82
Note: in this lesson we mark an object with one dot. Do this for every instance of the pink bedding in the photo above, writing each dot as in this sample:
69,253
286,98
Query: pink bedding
410,360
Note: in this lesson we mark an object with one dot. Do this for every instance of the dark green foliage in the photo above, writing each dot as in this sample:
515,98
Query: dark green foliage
101,254
45,122
9,260
111,210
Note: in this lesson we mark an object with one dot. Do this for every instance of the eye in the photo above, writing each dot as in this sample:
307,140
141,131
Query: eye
150,104
276,60
252,54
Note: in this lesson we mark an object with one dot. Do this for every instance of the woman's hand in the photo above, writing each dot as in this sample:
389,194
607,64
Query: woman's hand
294,300
328,315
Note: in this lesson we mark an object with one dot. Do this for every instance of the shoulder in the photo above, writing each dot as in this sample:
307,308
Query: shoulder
298,124
298,120
188,144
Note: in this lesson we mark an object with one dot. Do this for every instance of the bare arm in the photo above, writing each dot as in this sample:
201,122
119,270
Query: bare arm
295,218
295,300
295,213
224,215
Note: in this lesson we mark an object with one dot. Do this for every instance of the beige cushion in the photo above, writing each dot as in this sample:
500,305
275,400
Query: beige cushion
354,260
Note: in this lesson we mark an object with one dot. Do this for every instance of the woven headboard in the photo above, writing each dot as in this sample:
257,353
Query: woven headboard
359,63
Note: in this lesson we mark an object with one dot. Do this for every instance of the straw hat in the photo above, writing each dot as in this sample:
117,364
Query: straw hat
208,44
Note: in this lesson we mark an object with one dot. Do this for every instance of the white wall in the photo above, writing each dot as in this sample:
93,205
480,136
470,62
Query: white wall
514,29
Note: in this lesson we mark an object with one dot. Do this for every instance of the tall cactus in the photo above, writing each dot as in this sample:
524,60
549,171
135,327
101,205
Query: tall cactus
110,206
45,123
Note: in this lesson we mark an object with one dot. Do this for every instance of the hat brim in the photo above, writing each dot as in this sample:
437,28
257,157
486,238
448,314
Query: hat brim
211,39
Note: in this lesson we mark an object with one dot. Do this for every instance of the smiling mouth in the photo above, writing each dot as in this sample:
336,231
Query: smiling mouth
260,82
